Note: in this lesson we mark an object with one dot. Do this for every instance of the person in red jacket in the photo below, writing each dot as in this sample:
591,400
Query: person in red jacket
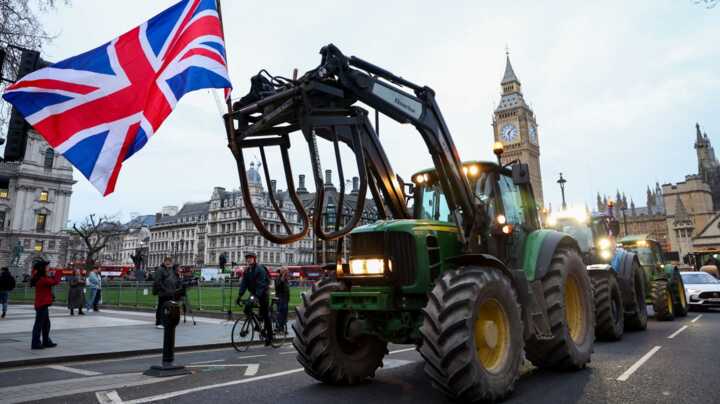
43,299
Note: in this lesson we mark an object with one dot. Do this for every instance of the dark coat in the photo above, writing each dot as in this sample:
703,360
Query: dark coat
282,289
7,282
255,279
76,292
166,282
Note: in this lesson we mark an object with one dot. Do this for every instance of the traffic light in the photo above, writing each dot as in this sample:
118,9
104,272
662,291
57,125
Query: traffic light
17,127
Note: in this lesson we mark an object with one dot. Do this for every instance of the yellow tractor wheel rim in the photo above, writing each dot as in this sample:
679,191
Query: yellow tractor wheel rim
574,310
492,335
681,295
669,301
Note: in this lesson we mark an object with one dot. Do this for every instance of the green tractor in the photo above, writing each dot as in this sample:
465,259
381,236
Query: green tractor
667,291
617,277
466,273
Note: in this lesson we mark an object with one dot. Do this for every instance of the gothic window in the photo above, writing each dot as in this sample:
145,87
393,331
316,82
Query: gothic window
49,158
40,221
44,196
51,245
2,220
38,246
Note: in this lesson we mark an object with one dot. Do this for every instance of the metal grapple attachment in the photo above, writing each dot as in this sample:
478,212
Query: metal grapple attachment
277,108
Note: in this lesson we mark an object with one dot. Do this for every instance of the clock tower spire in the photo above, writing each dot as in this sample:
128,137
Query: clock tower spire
514,125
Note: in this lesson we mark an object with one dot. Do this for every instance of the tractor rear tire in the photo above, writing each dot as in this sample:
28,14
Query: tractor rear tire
571,312
609,311
472,335
637,321
662,301
323,350
680,305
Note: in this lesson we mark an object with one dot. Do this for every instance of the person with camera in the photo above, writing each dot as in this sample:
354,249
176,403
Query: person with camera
256,280
165,287
43,283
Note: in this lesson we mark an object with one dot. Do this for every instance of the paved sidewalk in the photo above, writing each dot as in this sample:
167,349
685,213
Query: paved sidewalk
106,333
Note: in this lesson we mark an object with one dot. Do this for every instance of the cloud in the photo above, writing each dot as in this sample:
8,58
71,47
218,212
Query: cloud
616,86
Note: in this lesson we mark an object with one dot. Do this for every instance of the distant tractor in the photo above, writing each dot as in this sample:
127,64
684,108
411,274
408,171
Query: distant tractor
618,280
667,291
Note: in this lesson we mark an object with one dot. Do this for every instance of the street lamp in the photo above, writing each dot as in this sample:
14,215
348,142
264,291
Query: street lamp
562,182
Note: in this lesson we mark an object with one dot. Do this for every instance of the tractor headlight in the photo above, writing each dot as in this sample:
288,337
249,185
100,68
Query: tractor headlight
605,254
367,266
604,244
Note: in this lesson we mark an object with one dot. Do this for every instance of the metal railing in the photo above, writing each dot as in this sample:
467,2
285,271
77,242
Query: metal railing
215,296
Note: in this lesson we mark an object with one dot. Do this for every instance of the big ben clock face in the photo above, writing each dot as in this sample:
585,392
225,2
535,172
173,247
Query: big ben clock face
509,133
533,134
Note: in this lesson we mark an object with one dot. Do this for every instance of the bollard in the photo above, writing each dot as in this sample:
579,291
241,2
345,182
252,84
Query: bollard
170,319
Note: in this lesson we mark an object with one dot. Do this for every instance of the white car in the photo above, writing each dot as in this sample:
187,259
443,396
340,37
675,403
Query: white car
701,289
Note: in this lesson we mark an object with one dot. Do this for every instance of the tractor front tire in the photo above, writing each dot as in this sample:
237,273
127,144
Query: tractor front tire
323,350
571,312
609,311
472,334
680,305
662,301
636,319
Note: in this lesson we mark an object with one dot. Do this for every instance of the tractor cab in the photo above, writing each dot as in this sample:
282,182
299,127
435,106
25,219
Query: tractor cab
506,198
595,234
648,250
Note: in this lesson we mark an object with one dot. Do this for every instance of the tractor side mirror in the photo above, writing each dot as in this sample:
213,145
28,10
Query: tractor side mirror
520,174
615,227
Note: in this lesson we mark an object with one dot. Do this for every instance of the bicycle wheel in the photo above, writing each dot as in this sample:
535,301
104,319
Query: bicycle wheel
242,335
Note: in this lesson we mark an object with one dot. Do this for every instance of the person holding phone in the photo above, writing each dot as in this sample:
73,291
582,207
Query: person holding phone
43,282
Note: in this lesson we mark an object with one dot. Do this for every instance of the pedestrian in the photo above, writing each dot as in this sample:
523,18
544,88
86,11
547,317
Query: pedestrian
165,287
43,283
7,284
76,293
256,279
282,292
94,282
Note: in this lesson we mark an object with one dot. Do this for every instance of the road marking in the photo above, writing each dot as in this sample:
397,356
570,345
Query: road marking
108,397
251,356
402,350
166,396
80,385
623,377
178,393
696,318
288,352
202,362
73,370
394,363
673,335
251,369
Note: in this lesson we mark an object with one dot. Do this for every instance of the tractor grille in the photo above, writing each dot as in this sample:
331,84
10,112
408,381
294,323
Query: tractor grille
399,247
709,295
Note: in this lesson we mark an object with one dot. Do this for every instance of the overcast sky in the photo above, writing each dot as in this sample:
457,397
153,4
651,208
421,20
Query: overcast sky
617,86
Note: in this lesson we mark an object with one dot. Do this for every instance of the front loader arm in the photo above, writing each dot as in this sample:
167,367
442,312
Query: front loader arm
321,103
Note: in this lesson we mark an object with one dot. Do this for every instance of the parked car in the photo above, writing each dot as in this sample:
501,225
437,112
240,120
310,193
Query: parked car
702,289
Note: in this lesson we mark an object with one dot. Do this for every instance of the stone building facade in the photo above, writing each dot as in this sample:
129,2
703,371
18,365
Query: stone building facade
35,196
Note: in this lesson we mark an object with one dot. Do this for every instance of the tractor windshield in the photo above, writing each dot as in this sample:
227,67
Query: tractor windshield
430,202
578,230
646,255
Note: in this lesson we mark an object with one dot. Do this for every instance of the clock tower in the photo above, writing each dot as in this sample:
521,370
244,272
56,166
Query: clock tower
514,125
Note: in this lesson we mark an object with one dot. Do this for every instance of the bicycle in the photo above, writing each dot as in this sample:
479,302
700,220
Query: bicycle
246,327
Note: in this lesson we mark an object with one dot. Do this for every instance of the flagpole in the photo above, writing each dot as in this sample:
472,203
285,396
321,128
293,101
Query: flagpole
232,144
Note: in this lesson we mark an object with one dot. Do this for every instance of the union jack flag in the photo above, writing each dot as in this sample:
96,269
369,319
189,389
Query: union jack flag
101,107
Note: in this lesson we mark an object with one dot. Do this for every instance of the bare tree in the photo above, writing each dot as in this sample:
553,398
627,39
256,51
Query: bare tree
96,233
20,28
707,3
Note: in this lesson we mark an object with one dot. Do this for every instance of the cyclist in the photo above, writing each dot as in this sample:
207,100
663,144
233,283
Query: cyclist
256,280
